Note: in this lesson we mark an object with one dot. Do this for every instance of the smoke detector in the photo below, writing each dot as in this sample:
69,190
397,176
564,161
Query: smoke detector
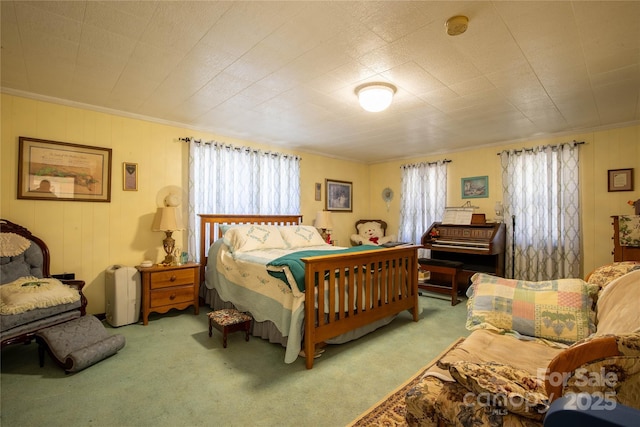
456,25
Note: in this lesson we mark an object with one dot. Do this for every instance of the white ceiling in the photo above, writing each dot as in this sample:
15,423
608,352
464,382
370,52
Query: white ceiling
284,73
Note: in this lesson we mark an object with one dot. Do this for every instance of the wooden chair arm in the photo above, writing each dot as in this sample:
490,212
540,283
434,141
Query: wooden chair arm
78,284
572,358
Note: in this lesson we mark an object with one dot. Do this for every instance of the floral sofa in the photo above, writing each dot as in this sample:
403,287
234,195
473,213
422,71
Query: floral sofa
531,343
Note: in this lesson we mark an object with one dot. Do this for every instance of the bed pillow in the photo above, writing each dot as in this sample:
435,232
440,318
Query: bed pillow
251,237
558,310
301,236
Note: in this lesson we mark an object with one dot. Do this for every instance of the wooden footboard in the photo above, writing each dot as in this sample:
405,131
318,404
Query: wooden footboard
356,289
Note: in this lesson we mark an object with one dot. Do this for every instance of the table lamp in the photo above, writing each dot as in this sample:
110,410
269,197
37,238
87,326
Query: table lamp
324,225
168,219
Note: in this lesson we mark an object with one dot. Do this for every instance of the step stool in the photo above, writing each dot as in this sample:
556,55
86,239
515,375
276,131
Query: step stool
229,320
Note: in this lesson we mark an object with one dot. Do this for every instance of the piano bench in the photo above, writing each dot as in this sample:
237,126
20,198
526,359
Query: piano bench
449,268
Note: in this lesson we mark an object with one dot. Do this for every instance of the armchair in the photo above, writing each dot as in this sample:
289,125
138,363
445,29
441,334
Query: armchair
27,304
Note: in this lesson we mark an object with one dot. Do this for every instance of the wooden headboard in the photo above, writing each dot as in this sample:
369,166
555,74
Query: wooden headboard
210,230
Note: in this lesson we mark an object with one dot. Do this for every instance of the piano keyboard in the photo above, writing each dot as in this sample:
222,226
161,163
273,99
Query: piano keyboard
453,244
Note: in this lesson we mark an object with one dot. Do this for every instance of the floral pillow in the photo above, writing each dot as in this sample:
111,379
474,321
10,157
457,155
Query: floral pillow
558,310
301,236
603,275
251,237
502,387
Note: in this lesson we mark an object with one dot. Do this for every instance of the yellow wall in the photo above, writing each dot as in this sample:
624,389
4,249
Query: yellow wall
612,149
85,237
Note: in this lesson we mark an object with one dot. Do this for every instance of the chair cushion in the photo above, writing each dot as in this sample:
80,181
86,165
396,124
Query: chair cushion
28,293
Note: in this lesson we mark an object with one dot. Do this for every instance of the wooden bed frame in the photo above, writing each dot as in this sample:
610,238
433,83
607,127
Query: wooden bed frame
387,282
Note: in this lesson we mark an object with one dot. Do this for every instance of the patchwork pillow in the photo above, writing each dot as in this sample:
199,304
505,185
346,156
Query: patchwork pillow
502,386
558,310
251,237
300,236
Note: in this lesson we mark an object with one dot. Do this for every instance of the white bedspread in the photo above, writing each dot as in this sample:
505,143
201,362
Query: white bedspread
244,281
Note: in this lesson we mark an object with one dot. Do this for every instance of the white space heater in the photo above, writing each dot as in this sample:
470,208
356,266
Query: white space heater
122,295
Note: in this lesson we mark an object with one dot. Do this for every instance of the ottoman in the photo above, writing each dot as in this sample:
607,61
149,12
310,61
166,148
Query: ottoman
229,320
78,344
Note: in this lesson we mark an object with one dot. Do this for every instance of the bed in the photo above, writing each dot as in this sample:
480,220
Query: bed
361,289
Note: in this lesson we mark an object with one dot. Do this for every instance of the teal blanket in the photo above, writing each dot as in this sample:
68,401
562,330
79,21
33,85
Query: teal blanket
296,266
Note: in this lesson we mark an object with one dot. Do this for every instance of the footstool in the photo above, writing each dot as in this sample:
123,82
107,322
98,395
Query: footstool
78,344
229,320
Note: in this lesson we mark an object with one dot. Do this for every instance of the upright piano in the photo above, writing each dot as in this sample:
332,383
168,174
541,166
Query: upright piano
480,247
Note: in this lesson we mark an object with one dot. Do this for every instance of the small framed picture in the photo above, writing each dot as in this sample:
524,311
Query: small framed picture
476,187
130,176
339,197
318,191
620,180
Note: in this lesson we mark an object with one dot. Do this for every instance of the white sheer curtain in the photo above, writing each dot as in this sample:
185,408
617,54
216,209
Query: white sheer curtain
423,197
541,196
224,179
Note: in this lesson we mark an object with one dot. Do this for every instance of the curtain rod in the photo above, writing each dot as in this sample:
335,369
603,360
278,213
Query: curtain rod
544,146
426,163
233,147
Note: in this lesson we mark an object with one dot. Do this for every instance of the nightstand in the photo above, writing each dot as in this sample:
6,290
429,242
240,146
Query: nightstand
164,288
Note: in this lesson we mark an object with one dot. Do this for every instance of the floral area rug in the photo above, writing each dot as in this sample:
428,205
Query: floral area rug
391,409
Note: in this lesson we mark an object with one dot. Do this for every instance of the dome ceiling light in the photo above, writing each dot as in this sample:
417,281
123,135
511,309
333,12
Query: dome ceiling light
456,25
375,97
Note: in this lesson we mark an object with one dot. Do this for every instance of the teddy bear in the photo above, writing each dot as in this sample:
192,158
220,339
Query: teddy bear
371,233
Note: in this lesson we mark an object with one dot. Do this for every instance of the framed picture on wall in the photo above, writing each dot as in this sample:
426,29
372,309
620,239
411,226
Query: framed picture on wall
130,176
339,196
52,170
476,187
620,180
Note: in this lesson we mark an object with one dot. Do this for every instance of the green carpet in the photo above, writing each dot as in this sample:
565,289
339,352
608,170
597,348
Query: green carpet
170,373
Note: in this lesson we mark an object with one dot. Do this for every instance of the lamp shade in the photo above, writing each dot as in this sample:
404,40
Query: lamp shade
167,219
323,220
375,97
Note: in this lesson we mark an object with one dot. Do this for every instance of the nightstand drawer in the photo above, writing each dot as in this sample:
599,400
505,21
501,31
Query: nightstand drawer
172,296
163,279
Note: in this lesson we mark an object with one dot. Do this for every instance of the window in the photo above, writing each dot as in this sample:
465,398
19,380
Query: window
224,179
423,198
541,199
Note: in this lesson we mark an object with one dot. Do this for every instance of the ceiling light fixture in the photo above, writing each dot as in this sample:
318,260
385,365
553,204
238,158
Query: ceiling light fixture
456,25
375,97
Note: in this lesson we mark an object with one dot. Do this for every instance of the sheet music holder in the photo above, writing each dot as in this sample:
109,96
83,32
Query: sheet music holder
458,215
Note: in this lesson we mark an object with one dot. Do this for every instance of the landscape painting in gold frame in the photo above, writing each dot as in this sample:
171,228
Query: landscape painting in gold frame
53,170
